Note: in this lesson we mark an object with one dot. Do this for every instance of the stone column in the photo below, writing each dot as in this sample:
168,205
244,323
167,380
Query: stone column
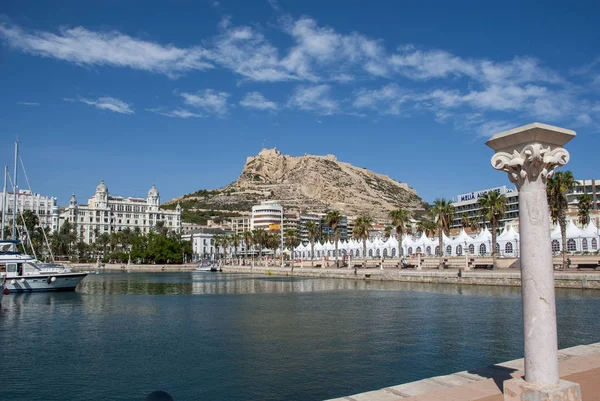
529,155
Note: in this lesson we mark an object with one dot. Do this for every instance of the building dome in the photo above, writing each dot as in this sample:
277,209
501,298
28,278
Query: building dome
153,192
101,187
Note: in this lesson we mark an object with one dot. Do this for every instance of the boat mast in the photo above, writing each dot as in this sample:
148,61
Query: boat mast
4,201
15,189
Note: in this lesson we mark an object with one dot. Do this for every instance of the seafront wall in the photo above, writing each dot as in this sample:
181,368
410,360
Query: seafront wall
512,277
115,267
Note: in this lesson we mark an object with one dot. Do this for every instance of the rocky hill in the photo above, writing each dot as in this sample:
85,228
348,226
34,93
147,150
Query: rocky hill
309,183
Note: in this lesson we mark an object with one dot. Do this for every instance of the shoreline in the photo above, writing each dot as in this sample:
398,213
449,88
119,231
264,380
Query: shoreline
501,277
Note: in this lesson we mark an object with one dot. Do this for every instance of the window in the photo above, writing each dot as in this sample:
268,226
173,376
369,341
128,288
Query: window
428,251
410,250
378,252
370,253
497,248
472,249
482,250
594,243
555,246
418,249
584,245
448,250
393,252
571,246
459,250
437,250
508,248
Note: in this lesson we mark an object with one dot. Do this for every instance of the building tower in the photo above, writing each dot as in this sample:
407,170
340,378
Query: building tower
153,199
101,195
73,209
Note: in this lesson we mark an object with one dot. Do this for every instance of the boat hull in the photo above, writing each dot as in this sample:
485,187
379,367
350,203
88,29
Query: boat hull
45,282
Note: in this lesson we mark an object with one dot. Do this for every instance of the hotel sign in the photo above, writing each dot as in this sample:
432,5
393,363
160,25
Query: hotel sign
478,194
274,227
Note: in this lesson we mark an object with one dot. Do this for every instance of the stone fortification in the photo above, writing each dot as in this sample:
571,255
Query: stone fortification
312,183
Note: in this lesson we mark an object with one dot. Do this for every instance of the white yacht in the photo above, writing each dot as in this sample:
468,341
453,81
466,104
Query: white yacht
22,273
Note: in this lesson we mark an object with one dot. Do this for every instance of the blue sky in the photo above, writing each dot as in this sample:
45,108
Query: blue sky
180,93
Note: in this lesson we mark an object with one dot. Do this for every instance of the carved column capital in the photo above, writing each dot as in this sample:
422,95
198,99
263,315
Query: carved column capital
531,163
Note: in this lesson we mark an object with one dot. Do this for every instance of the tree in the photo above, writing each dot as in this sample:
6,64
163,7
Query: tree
259,237
313,232
235,240
160,228
362,226
474,224
292,240
248,240
387,232
556,191
103,241
492,209
399,219
584,206
443,212
465,221
333,220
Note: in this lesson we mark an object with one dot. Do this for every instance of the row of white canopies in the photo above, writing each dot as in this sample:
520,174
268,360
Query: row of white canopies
584,239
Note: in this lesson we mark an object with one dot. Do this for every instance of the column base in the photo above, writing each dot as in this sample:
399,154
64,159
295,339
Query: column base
520,390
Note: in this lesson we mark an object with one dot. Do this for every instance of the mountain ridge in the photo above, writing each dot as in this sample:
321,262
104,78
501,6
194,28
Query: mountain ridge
310,183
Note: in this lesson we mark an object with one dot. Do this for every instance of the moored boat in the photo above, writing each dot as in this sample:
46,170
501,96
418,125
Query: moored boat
22,273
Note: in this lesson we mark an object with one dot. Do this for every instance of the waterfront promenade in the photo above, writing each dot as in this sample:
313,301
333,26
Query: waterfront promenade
580,364
571,278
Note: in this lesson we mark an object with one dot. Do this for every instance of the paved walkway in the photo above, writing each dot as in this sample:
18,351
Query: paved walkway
579,364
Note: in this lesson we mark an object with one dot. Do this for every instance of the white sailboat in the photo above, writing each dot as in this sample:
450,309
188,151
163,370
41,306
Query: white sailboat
22,273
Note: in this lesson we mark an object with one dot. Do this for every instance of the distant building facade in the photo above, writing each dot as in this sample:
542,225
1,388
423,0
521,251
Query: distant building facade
266,216
469,202
108,214
44,207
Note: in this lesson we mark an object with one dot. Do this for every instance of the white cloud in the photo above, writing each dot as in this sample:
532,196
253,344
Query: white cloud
208,100
177,113
109,103
255,100
490,128
314,98
387,100
322,51
28,103
247,53
87,48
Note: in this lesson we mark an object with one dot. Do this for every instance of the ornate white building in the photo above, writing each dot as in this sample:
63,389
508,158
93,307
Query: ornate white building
108,214
44,207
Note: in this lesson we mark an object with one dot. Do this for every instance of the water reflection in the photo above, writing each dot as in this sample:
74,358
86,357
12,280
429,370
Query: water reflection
228,283
239,337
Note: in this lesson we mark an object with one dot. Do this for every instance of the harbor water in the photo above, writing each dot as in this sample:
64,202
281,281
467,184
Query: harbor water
216,336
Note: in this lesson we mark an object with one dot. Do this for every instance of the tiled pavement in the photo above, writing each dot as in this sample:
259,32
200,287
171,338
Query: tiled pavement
579,364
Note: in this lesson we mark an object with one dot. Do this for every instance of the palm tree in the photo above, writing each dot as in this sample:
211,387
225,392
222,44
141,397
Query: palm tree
362,226
292,240
235,240
584,206
387,232
259,238
474,224
443,212
247,236
556,190
399,219
465,221
333,220
493,208
313,231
